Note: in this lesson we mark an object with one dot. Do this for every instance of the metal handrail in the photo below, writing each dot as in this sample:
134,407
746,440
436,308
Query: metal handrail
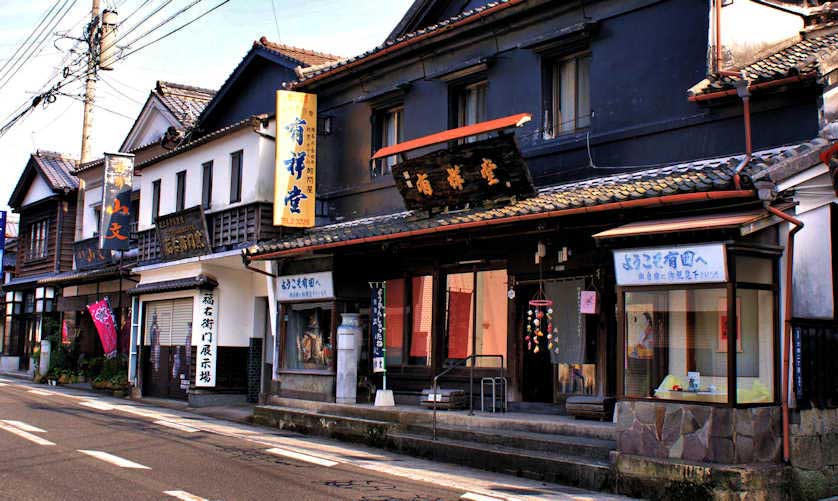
457,363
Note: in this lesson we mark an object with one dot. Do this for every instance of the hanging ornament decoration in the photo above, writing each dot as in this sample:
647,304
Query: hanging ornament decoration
540,332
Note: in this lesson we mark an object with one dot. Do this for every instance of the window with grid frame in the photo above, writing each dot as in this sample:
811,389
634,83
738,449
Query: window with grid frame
388,129
38,240
568,100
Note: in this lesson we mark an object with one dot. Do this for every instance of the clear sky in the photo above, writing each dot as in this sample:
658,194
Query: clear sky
202,54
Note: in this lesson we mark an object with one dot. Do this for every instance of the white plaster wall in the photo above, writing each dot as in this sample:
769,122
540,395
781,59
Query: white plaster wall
38,190
236,305
152,122
749,27
813,266
257,174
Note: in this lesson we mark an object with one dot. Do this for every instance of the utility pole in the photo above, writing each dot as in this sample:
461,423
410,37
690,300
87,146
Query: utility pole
89,99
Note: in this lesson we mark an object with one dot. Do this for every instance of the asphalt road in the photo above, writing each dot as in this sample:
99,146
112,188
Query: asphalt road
57,444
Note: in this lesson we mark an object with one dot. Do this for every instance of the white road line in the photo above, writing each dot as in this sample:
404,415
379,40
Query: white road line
302,457
41,392
97,405
185,496
26,435
23,426
472,496
4,384
114,460
177,426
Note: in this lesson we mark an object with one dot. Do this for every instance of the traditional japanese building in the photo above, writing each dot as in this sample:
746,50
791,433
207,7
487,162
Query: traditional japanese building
45,198
644,229
201,202
168,114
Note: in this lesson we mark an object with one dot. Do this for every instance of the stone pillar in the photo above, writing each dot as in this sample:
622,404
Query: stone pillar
349,332
43,362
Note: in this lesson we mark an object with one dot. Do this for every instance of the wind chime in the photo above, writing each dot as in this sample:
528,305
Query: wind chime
540,329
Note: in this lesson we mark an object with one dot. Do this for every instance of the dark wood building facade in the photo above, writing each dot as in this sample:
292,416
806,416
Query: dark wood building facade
45,198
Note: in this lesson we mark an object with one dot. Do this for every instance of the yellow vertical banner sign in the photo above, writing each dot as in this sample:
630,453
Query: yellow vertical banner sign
296,159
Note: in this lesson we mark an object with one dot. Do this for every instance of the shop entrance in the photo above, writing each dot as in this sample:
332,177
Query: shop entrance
537,374
551,375
168,340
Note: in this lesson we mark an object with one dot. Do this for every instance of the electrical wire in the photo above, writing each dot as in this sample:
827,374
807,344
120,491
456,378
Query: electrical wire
29,37
49,96
119,92
37,45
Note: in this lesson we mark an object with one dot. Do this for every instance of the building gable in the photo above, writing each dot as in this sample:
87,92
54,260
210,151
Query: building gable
151,124
428,12
251,87
38,190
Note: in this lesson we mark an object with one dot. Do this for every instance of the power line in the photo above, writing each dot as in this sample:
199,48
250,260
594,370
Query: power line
119,92
22,44
13,70
99,106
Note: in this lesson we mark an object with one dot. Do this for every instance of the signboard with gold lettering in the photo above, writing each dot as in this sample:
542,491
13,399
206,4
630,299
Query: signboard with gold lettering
467,174
116,202
296,157
183,234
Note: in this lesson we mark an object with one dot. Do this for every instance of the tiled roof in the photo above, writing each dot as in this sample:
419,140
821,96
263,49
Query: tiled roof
58,169
409,38
305,57
694,177
212,136
805,57
179,284
184,101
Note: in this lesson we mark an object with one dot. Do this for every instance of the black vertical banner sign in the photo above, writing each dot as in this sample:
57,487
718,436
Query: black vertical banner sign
378,327
115,227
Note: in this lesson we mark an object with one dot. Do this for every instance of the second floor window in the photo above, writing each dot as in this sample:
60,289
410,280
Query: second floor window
155,200
180,203
569,96
206,185
472,105
38,240
387,131
236,176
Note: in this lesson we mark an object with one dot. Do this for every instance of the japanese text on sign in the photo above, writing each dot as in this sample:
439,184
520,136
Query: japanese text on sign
305,286
699,263
116,214
296,156
205,331
378,327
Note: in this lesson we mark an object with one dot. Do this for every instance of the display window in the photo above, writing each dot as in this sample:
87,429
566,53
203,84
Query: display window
309,337
476,320
684,343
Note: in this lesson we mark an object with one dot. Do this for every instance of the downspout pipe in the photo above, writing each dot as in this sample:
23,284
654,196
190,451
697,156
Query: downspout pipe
246,261
788,307
743,90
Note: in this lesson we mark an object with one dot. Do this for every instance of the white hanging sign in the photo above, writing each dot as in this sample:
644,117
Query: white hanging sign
305,286
680,264
206,333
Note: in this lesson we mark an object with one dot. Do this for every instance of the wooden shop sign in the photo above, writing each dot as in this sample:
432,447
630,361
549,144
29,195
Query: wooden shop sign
183,234
470,173
88,255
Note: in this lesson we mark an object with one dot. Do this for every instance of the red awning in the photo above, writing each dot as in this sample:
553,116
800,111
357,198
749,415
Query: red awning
454,134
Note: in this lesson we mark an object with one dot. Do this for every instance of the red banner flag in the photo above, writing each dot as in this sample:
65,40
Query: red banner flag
105,325
65,334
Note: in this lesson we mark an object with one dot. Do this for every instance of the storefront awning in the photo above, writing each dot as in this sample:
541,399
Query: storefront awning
180,284
745,222
454,134
84,277
24,282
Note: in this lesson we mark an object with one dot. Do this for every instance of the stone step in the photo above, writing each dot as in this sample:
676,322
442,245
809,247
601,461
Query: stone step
586,447
415,416
349,428
577,471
